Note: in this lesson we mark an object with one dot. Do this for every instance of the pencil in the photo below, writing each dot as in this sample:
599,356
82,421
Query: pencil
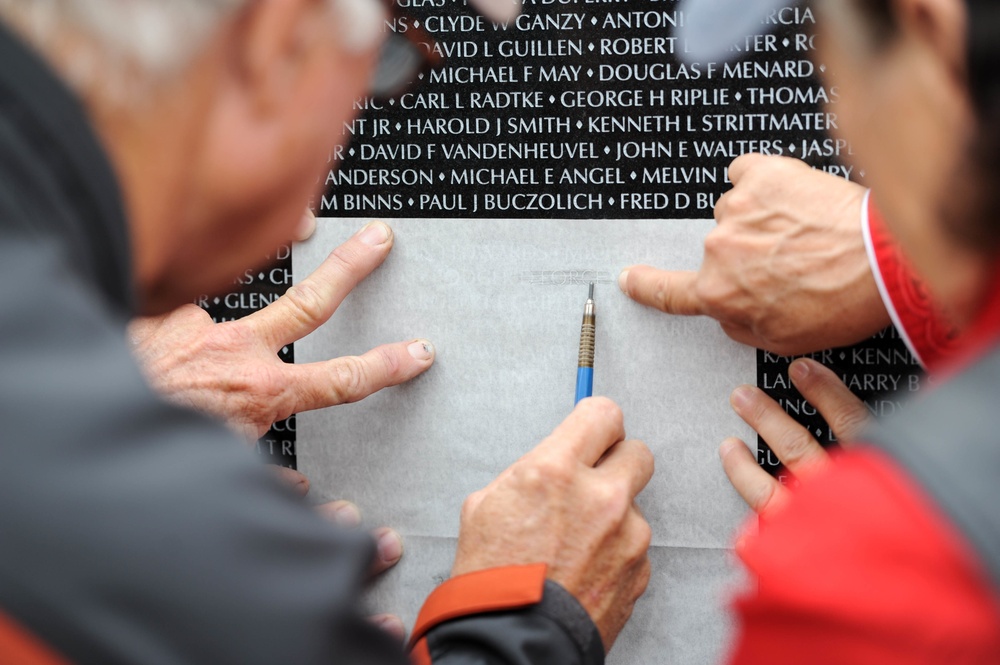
585,365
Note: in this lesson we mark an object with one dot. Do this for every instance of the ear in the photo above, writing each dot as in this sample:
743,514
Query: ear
272,40
941,25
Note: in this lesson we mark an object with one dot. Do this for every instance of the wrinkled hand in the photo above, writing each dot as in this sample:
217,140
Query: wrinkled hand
570,503
785,269
232,371
801,454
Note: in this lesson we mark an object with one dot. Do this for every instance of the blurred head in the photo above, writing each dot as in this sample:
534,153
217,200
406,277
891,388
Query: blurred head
218,115
922,112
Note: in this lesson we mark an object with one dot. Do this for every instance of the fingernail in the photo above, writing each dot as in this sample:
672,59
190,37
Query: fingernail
623,281
741,397
390,546
391,624
421,350
799,370
347,515
306,227
375,234
727,447
293,479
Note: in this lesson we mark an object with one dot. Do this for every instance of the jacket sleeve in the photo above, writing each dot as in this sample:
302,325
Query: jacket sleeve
504,616
136,532
928,334
860,567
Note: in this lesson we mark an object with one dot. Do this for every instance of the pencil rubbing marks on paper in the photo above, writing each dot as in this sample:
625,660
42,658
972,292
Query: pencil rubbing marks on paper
565,277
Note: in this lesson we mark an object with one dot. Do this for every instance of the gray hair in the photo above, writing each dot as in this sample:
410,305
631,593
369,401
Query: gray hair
100,45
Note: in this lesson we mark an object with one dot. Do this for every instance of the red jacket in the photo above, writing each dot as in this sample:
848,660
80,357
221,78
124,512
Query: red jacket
862,566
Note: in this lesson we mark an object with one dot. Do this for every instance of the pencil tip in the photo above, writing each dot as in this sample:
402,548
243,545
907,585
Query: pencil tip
591,296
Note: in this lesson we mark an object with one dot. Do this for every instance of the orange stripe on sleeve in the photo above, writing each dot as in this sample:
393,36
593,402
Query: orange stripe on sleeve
421,653
492,590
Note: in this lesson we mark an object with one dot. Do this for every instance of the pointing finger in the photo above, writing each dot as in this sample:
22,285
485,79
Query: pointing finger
759,489
669,291
310,303
353,378
847,415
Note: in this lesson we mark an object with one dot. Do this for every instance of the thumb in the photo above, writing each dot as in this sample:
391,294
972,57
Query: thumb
670,291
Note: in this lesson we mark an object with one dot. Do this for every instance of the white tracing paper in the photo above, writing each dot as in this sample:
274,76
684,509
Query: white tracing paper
502,302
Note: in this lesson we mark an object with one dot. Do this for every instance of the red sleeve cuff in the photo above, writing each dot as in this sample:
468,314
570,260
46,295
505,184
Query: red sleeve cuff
492,590
920,322
18,647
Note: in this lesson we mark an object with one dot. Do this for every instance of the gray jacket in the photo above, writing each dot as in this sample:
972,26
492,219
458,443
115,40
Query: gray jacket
132,531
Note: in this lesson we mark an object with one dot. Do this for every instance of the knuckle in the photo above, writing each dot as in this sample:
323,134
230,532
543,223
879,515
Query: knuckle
231,334
715,241
768,165
306,302
740,202
543,471
662,294
758,409
600,497
669,294
736,331
613,500
350,379
389,360
849,422
608,504
777,344
738,161
789,164
761,496
773,338
264,381
769,328
347,257
646,458
712,293
643,537
554,470
796,446
746,161
777,334
470,504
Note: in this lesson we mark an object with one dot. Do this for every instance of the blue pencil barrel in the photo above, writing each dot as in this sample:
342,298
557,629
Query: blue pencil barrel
588,339
584,383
